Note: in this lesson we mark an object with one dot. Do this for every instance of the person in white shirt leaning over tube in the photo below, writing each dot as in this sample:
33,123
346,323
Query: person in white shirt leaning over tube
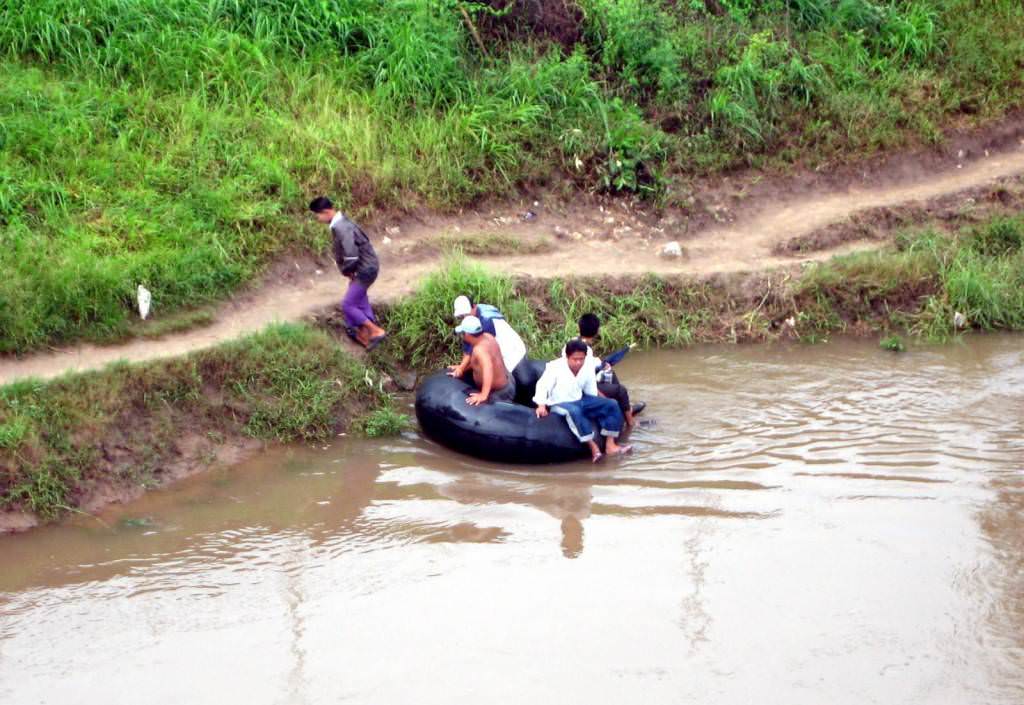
513,349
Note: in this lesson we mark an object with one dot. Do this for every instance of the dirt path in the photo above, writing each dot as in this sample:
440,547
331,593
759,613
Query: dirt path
585,239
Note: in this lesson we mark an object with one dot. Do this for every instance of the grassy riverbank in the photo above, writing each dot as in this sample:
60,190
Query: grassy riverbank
131,426
66,441
174,143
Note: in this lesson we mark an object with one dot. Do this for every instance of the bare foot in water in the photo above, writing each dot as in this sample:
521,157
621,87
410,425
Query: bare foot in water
616,449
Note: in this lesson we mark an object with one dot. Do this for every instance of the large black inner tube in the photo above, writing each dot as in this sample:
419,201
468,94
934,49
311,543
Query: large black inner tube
498,431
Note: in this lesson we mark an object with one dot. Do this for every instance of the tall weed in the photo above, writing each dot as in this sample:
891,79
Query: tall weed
753,94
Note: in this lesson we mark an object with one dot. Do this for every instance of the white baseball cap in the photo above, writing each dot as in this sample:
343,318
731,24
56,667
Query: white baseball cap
462,307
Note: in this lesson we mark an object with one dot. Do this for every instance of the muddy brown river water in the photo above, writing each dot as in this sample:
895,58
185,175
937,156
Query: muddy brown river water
830,524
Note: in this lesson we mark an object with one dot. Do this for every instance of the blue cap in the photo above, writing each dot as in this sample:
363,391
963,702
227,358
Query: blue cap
470,325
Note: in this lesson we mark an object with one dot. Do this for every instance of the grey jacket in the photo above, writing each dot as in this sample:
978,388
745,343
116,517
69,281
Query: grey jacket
353,252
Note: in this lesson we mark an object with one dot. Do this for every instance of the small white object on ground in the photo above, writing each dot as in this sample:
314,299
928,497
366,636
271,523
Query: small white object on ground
393,230
672,249
959,319
144,300
386,240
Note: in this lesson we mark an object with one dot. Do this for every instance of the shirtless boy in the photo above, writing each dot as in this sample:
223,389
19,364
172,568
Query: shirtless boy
489,373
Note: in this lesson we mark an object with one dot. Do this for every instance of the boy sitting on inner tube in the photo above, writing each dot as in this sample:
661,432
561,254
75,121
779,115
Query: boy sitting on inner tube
489,373
608,383
568,387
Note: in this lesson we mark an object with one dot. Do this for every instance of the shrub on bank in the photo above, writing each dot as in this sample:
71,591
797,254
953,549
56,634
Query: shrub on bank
927,281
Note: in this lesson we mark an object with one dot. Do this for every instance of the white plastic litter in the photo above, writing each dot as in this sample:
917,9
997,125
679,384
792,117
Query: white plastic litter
672,249
145,298
959,319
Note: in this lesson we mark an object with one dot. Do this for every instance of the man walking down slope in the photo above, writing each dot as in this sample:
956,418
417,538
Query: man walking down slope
356,260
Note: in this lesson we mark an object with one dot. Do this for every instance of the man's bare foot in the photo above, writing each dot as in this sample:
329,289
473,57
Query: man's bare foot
613,448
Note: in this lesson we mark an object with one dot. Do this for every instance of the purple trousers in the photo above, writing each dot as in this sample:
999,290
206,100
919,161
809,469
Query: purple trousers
356,304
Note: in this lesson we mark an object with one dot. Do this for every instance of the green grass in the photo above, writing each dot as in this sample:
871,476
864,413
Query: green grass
421,325
893,343
384,421
123,424
175,143
925,282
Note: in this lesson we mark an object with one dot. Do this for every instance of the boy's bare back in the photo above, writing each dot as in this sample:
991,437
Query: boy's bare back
488,347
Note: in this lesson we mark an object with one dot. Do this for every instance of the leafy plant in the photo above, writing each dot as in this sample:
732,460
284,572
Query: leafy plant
893,343
749,102
1000,237
383,421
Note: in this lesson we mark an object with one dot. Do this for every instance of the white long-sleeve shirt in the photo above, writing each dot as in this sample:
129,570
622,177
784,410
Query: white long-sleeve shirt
558,384
512,347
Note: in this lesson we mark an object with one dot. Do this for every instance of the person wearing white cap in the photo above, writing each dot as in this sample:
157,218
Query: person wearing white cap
490,376
513,349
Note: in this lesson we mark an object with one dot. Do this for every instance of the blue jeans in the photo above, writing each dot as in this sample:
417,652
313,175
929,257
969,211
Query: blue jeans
582,415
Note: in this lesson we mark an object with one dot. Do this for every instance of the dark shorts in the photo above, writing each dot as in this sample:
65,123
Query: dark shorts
617,392
506,393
